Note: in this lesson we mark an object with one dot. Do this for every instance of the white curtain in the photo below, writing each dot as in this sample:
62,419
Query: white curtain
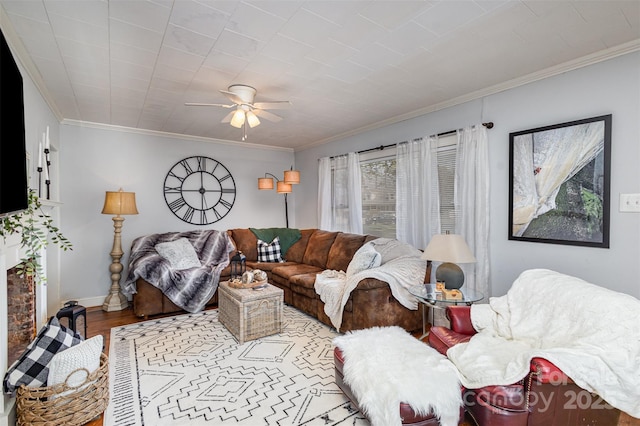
324,194
341,192
417,201
472,203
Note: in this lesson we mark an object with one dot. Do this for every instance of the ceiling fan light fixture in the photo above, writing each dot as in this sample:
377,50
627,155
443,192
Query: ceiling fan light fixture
238,118
252,119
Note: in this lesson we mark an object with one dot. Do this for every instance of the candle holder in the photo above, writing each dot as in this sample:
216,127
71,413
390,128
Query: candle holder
39,169
47,176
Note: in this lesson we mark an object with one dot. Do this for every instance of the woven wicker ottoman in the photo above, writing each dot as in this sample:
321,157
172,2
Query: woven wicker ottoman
250,314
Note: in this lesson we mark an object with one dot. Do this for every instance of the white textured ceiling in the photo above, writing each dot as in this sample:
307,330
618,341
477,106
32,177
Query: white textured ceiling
346,66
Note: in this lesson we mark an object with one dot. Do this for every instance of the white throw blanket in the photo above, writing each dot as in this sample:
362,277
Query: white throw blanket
386,365
400,266
591,333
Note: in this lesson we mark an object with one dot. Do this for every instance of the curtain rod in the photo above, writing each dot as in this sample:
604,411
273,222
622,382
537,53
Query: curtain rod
488,125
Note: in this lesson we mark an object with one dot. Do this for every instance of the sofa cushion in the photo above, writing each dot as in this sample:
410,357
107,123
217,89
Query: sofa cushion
318,248
288,271
342,250
442,338
247,242
306,281
296,251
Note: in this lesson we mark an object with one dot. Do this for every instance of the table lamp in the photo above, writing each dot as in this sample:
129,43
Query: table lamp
449,249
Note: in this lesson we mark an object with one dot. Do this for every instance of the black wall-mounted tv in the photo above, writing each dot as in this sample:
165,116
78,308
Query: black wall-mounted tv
13,154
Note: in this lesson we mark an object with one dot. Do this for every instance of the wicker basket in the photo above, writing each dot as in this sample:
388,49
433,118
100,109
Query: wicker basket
65,405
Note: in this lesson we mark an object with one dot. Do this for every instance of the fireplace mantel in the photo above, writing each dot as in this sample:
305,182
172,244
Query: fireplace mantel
11,254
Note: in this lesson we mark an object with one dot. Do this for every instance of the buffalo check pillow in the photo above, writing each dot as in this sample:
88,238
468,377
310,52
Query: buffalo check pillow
32,368
269,252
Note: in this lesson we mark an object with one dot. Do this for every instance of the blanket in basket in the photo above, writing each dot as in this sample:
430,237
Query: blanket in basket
190,289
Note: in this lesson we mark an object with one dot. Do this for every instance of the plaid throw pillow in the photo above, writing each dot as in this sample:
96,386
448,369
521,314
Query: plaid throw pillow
32,368
269,252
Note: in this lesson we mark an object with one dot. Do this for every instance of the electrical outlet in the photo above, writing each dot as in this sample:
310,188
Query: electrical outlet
630,203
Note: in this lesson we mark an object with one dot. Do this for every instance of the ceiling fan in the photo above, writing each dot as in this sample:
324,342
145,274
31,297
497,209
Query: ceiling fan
246,110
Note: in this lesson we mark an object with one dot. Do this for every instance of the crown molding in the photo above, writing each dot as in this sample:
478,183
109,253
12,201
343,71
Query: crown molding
594,58
112,127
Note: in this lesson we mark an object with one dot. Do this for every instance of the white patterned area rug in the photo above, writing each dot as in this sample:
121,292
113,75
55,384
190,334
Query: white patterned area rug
189,370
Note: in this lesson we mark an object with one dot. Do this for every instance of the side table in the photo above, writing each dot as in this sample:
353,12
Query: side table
432,299
250,314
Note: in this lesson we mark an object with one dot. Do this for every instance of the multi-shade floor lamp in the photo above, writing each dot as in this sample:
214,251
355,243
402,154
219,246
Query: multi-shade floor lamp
284,186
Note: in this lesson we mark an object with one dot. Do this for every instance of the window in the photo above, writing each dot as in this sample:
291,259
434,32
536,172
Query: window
379,194
379,189
446,182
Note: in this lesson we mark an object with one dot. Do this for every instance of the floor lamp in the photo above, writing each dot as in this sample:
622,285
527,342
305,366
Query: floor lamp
117,203
291,177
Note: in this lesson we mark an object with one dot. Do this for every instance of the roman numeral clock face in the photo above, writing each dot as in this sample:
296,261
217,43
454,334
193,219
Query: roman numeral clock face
199,190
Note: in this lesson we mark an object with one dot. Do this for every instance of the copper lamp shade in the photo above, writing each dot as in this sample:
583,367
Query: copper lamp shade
265,183
292,177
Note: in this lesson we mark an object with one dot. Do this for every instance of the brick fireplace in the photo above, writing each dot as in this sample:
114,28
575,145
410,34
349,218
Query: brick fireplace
21,313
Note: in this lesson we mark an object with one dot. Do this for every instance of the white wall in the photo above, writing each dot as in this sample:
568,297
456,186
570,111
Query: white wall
611,87
94,160
37,116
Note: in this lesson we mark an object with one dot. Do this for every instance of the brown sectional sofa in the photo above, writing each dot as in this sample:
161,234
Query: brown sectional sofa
370,304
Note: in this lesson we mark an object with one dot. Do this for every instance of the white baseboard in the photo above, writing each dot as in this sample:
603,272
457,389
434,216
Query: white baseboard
89,301
8,416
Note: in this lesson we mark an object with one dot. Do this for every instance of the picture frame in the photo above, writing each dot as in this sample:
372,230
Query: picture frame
559,178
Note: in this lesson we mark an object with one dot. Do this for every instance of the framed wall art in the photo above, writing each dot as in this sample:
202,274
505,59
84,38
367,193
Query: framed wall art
559,183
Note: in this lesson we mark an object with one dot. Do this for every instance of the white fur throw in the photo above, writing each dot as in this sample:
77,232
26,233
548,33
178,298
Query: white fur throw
591,333
384,366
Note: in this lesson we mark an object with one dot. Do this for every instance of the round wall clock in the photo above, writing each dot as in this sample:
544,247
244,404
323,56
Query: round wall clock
199,190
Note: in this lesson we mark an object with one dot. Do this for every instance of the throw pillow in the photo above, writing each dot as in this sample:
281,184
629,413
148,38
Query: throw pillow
269,252
180,254
32,368
66,366
287,236
365,258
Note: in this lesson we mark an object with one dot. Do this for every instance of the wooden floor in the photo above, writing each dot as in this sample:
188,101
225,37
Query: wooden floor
100,322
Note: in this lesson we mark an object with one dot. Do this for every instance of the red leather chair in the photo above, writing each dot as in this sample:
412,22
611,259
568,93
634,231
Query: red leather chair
545,397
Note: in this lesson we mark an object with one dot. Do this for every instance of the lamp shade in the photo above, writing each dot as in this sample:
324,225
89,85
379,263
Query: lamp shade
265,183
283,188
252,119
292,177
119,202
448,248
238,118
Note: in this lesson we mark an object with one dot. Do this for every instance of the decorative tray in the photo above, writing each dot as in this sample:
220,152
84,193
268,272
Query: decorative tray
240,284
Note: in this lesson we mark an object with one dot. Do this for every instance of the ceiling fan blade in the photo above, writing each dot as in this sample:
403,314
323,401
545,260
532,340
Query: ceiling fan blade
233,97
272,105
201,104
268,115
227,118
